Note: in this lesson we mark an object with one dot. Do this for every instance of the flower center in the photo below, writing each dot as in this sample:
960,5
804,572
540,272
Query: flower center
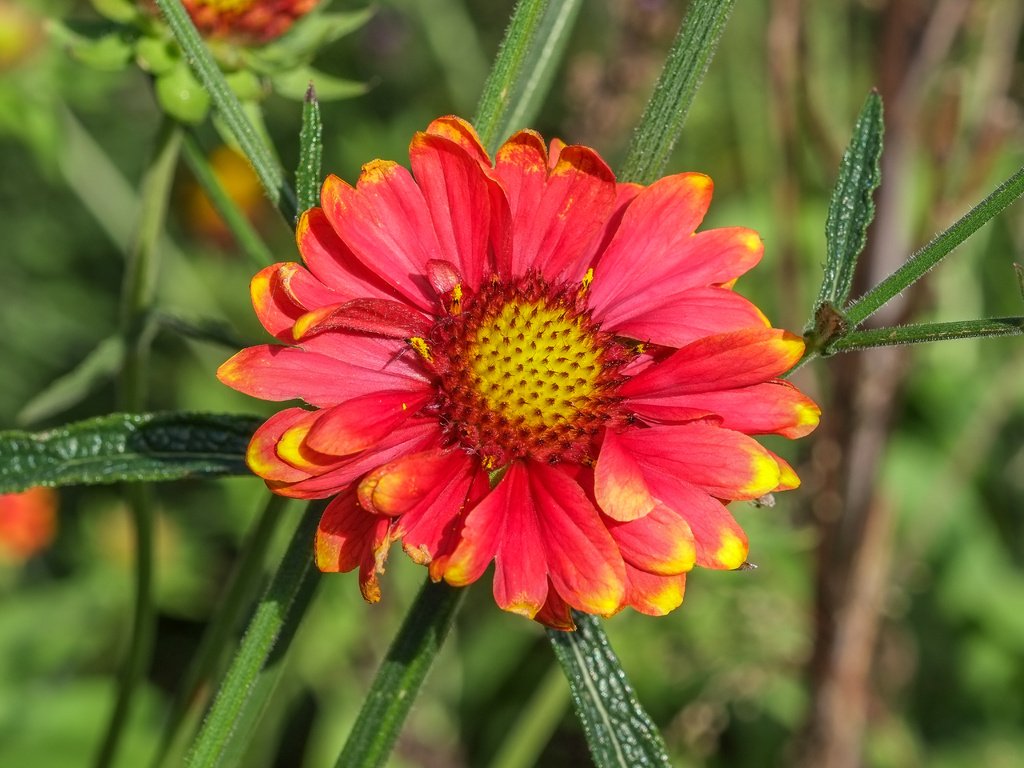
524,372
227,6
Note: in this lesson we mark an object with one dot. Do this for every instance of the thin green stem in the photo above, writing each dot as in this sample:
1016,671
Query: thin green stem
662,122
400,675
137,303
526,737
509,68
245,235
932,253
925,332
256,668
208,73
193,692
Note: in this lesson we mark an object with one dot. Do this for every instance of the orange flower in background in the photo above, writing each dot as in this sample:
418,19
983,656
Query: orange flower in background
28,523
239,182
521,362
256,20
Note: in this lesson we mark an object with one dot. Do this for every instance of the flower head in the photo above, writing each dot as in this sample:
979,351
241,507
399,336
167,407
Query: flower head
28,523
255,20
521,362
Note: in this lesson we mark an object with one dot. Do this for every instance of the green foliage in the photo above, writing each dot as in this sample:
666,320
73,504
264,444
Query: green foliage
126,447
620,733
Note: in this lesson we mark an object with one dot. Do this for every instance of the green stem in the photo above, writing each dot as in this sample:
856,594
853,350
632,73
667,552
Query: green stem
193,692
256,668
245,235
932,253
136,329
400,675
526,737
509,68
925,332
231,111
663,119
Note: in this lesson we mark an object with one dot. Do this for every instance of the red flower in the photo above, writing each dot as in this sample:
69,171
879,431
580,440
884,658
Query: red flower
252,20
533,326
28,522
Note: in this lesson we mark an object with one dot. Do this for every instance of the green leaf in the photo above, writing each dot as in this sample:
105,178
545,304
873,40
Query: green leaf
311,148
157,55
246,690
852,207
619,732
663,119
126,447
307,36
293,84
926,332
99,366
103,50
400,675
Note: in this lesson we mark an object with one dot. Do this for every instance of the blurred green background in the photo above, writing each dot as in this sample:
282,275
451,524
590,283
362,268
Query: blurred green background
886,618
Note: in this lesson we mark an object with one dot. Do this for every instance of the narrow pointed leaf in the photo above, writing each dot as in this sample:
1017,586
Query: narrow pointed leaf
98,367
619,731
852,206
926,332
307,177
126,447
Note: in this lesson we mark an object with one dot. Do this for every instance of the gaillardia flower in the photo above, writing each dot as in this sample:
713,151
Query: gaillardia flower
521,362
255,20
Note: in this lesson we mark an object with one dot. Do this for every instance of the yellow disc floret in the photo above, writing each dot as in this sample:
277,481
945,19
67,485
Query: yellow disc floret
535,365
524,372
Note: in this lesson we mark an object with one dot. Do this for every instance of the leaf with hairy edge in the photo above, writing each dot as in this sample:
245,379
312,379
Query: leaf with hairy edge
126,447
618,730
311,147
852,208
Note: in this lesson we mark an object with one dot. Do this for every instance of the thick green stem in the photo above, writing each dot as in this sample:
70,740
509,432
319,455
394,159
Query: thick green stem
925,332
136,329
932,253
400,675
245,235
256,668
193,692
662,122
230,109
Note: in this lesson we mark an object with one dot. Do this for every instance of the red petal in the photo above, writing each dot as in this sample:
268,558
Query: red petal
385,221
722,462
652,594
720,541
399,486
520,563
684,317
555,613
276,311
660,543
284,373
483,530
555,217
458,196
261,455
333,262
774,407
584,564
363,421
377,316
462,133
410,438
619,483
349,536
725,361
